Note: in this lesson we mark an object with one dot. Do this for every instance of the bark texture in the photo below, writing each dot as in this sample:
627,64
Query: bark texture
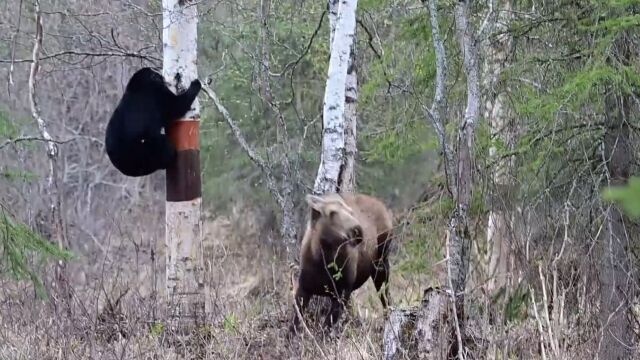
347,177
333,132
498,115
420,333
184,252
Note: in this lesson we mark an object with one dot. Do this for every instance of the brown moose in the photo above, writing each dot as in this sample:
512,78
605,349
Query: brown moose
346,242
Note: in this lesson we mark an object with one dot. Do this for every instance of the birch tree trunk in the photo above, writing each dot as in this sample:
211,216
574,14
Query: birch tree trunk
497,114
332,159
347,177
184,252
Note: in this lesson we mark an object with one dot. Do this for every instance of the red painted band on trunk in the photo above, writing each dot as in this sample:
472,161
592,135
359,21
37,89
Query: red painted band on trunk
185,134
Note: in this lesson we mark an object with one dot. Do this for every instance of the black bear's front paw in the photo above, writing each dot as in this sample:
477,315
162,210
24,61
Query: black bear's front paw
195,86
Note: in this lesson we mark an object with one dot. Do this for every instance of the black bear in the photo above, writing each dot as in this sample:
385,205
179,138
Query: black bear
135,141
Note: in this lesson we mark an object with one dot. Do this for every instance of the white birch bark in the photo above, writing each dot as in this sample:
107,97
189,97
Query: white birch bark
184,252
333,20
347,176
333,132
497,114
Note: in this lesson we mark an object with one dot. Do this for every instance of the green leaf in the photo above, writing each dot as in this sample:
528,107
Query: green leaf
628,196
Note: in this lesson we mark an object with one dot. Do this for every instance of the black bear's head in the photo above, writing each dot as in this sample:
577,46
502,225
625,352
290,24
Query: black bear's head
145,78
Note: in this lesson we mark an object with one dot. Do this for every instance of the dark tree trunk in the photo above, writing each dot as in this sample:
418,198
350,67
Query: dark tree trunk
616,280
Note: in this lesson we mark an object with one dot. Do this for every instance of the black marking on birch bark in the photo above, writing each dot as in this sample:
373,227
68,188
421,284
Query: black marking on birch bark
340,176
333,130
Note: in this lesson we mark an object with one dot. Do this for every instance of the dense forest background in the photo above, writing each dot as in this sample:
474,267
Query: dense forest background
553,266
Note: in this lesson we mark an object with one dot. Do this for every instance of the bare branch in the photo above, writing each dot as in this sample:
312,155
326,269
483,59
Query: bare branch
13,46
85,53
295,63
487,19
439,107
31,138
52,148
251,152
53,186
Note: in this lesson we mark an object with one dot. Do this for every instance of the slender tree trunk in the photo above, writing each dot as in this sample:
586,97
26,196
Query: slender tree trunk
288,222
616,279
53,188
332,160
347,177
497,114
184,252
458,237
439,323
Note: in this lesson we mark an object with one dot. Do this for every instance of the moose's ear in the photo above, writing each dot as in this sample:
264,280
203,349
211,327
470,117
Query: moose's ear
315,202
315,215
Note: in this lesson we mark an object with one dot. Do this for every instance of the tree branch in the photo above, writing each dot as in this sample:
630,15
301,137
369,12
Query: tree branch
31,138
439,106
13,47
251,152
52,148
84,53
53,184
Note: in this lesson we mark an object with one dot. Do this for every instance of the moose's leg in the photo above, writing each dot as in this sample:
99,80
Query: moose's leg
381,280
301,301
381,270
338,304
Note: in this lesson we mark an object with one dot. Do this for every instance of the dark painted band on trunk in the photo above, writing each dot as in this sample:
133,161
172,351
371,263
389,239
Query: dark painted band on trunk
185,134
183,177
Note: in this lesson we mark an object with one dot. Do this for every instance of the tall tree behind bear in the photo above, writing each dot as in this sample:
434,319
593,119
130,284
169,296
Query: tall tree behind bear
135,140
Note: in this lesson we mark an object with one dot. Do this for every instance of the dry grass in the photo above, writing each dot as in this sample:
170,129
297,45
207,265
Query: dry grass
250,306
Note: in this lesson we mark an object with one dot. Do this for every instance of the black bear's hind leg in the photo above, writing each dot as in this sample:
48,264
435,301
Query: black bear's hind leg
162,152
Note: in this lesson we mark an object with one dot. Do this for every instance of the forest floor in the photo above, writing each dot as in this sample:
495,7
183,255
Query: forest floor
250,305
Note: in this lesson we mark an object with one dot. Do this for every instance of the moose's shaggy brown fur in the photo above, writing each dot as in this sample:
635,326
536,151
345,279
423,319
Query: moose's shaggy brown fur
346,242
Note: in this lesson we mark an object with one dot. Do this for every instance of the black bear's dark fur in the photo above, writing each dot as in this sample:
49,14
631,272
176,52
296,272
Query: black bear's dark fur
135,142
